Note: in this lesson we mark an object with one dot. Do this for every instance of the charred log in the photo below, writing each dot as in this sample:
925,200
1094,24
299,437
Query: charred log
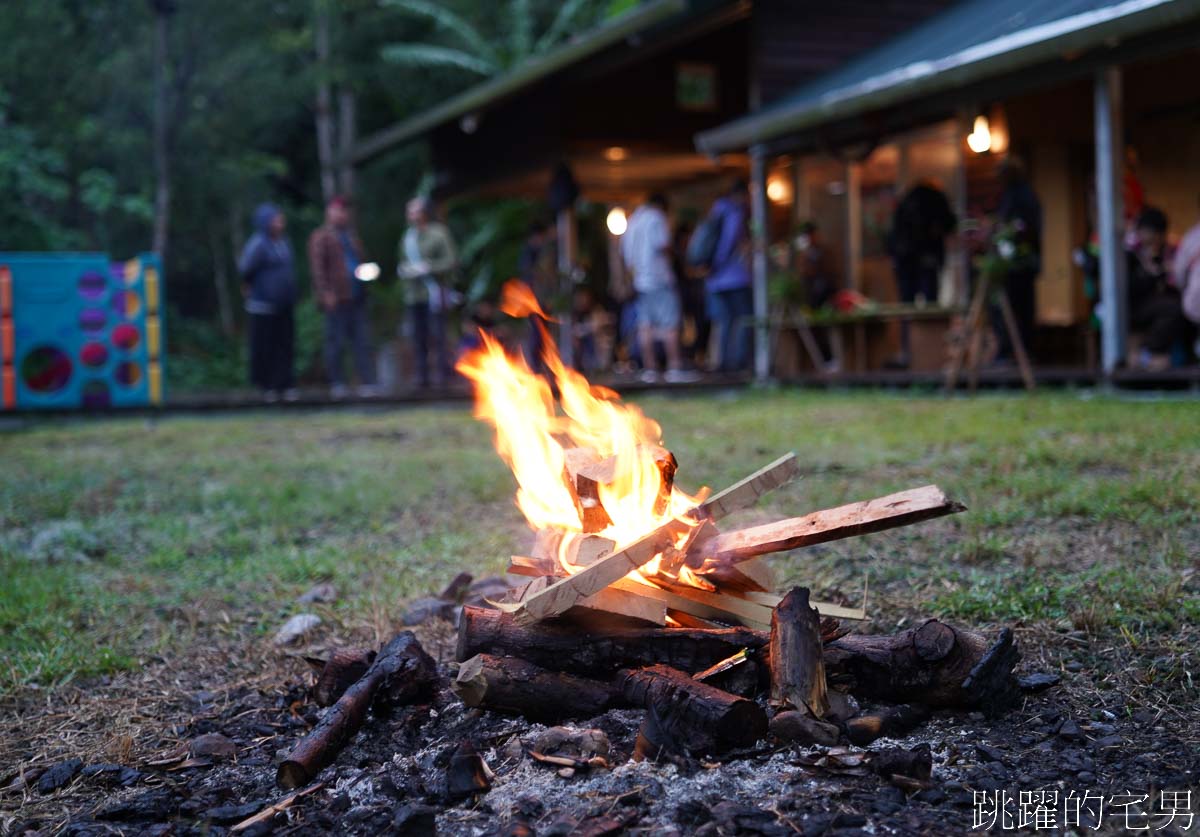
892,722
794,655
933,664
401,673
692,716
341,671
509,684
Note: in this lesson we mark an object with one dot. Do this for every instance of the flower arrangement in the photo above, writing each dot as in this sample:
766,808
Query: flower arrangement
1009,250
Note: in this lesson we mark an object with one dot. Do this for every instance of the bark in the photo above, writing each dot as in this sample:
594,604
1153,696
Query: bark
400,674
341,671
691,716
933,664
509,684
794,655
324,102
561,645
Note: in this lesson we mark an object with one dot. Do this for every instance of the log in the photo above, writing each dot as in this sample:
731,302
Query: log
846,521
560,645
513,685
933,664
566,593
746,492
401,673
794,656
343,668
692,716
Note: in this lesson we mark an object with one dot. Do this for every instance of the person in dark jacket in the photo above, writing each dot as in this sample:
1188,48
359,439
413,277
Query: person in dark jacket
1020,208
334,255
917,243
269,288
1155,305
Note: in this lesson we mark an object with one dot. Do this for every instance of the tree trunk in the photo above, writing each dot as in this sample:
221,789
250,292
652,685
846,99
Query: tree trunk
221,281
347,136
324,115
162,168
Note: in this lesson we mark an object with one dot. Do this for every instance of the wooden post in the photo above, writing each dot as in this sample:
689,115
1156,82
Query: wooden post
759,231
1110,216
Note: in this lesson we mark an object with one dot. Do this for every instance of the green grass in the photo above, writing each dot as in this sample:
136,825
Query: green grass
1084,512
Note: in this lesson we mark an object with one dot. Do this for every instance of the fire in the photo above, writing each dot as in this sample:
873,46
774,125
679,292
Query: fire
532,437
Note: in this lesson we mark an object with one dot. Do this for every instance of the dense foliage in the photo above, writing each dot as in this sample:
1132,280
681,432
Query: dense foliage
239,82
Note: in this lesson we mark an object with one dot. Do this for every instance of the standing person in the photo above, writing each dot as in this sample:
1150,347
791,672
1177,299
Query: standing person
427,261
917,244
1187,272
269,288
691,295
646,248
1155,308
730,300
334,254
1019,208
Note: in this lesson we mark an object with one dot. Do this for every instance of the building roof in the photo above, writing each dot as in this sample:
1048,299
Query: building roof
976,40
609,34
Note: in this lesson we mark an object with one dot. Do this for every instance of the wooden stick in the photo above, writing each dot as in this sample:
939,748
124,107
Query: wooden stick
846,521
836,611
1018,345
564,594
401,673
745,493
275,808
794,655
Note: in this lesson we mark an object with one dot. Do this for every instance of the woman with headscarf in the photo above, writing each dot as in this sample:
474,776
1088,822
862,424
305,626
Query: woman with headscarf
269,288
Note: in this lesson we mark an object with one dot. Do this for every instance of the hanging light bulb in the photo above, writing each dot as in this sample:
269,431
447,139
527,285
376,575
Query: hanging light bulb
616,221
980,138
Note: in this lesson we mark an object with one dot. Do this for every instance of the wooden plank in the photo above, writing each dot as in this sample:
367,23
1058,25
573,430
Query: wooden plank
745,493
824,608
749,614
888,512
585,550
532,567
612,600
565,593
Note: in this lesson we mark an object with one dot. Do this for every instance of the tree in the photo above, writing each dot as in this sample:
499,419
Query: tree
476,49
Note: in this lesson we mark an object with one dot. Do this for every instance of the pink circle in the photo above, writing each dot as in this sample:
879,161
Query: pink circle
93,354
126,337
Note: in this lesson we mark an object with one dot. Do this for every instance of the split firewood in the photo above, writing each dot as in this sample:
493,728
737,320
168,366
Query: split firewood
831,524
794,655
337,674
513,685
585,550
268,813
693,716
700,603
584,473
566,593
401,673
622,603
933,664
746,492
560,645
889,722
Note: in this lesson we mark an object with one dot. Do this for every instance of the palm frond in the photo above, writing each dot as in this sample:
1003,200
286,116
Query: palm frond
431,55
522,30
450,22
561,25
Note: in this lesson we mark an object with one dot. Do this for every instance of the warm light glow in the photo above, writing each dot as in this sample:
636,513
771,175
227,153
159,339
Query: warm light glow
532,437
779,189
980,138
366,272
615,154
616,221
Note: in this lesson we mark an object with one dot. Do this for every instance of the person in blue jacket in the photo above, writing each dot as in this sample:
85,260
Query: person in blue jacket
730,299
269,288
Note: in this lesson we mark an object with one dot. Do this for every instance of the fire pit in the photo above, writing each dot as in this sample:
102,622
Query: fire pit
637,602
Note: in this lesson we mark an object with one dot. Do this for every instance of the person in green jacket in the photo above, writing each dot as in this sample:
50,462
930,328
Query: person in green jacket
427,263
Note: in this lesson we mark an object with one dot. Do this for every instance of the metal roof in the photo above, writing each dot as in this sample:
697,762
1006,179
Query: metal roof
976,40
608,34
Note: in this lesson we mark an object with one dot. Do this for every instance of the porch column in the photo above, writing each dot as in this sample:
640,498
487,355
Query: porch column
758,230
1110,216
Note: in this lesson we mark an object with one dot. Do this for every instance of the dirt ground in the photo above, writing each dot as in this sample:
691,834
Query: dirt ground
1082,541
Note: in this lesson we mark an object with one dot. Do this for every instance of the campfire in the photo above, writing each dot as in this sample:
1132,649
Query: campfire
634,597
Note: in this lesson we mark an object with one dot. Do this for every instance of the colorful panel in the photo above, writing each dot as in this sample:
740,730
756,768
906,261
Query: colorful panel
80,330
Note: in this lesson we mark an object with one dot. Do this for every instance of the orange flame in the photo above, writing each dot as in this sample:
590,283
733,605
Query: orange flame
518,300
531,437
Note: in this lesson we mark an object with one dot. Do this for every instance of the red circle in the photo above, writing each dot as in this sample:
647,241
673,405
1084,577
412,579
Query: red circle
126,336
46,369
93,354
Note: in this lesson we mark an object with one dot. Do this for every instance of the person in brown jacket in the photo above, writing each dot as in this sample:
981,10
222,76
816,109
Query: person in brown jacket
334,254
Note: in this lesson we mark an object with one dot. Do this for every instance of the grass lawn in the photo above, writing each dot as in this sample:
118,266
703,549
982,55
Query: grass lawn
125,541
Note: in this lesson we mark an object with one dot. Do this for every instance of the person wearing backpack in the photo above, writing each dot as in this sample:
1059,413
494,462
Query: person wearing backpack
721,244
